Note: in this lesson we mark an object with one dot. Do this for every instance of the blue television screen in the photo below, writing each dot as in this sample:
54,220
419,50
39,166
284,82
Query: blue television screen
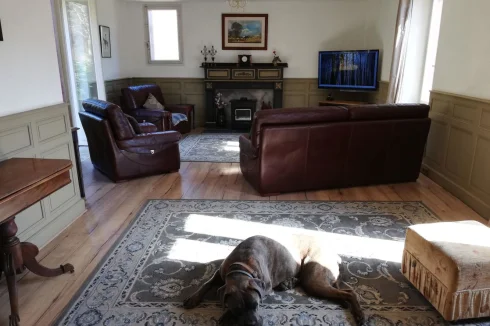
354,70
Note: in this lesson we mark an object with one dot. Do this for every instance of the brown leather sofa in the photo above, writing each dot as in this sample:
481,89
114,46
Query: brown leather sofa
122,148
134,97
331,147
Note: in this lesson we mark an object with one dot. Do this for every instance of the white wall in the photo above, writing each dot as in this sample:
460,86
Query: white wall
297,31
384,33
108,15
29,73
462,64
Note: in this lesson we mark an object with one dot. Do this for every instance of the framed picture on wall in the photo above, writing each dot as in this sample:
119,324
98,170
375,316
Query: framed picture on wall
105,41
1,34
245,31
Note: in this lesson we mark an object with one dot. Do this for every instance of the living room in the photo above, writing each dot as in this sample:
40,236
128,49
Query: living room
138,223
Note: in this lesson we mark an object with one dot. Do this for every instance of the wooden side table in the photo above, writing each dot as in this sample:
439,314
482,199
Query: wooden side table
24,182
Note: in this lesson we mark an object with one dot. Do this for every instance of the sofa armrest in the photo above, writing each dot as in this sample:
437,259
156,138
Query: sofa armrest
147,127
152,141
246,147
180,108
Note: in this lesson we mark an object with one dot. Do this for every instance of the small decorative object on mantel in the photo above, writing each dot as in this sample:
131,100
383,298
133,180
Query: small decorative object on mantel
205,52
276,59
244,31
212,53
266,106
220,110
244,60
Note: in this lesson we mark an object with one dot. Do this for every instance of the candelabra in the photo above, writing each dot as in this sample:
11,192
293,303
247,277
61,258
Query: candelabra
205,52
212,53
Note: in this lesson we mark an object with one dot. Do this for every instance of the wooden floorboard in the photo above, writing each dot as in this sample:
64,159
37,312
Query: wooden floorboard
111,207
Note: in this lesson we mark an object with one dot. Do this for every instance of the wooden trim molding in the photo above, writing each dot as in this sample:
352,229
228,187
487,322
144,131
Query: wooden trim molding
298,92
458,149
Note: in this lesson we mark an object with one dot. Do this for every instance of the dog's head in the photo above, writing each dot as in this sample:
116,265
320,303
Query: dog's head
242,296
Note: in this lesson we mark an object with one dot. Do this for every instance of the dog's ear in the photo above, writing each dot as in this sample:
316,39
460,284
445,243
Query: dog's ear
258,286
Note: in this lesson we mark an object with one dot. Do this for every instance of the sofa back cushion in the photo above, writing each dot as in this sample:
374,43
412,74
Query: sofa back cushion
297,117
388,112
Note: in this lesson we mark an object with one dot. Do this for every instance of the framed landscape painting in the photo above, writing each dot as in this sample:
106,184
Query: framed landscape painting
245,31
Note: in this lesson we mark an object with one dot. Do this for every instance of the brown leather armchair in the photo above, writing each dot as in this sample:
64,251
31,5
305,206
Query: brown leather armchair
122,148
134,97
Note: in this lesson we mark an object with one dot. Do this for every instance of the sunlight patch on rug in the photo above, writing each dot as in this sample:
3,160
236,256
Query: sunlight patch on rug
221,148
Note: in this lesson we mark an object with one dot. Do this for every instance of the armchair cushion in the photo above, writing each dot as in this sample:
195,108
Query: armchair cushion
147,127
152,104
155,141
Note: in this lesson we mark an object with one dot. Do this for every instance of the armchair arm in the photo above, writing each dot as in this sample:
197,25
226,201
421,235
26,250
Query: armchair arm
147,127
162,119
246,147
153,141
180,108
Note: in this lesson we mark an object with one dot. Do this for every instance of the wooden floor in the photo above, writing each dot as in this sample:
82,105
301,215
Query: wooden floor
111,207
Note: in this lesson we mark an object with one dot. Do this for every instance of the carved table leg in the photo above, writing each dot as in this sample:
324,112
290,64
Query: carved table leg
15,257
10,256
29,253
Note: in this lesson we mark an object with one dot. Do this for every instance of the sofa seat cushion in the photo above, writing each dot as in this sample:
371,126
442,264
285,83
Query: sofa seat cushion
449,263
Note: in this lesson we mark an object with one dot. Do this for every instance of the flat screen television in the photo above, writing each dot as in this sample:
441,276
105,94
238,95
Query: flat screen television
348,70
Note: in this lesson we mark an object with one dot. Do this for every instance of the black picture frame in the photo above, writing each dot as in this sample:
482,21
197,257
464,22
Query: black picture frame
105,41
1,34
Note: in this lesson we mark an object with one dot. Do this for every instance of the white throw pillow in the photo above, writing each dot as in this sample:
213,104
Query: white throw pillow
153,104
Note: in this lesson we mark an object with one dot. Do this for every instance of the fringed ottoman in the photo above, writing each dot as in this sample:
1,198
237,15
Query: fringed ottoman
449,263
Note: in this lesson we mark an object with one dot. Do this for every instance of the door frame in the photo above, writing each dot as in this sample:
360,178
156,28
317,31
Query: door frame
64,53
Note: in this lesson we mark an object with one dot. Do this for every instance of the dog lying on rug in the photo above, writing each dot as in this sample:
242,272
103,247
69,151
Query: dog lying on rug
260,264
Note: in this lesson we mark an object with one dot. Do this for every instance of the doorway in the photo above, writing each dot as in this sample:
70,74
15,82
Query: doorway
81,56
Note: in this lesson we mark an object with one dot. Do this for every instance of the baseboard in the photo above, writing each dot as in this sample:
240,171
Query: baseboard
465,196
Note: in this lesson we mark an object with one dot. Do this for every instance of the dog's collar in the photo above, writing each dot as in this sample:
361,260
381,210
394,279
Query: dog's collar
239,271
248,270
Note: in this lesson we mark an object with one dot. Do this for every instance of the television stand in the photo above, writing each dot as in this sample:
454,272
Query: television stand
336,103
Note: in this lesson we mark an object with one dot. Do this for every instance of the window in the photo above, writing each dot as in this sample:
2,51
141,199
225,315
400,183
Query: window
430,60
164,34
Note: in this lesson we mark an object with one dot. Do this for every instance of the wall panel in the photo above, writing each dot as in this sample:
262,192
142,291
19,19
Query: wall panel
51,139
298,92
458,149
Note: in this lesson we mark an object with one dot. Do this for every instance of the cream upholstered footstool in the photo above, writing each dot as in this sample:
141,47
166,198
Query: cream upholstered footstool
449,263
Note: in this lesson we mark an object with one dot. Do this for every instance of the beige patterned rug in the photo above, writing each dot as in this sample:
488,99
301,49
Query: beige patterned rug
172,247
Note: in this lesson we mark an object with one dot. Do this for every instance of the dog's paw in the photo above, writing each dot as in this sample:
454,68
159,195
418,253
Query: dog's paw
191,302
287,285
360,318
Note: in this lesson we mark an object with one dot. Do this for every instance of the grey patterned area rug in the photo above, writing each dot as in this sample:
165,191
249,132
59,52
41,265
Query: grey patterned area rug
221,148
174,246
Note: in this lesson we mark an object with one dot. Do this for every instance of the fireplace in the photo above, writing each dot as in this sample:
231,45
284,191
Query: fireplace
232,76
242,112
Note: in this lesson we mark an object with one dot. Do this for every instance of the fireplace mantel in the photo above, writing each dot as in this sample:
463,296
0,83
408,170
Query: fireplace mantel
236,76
